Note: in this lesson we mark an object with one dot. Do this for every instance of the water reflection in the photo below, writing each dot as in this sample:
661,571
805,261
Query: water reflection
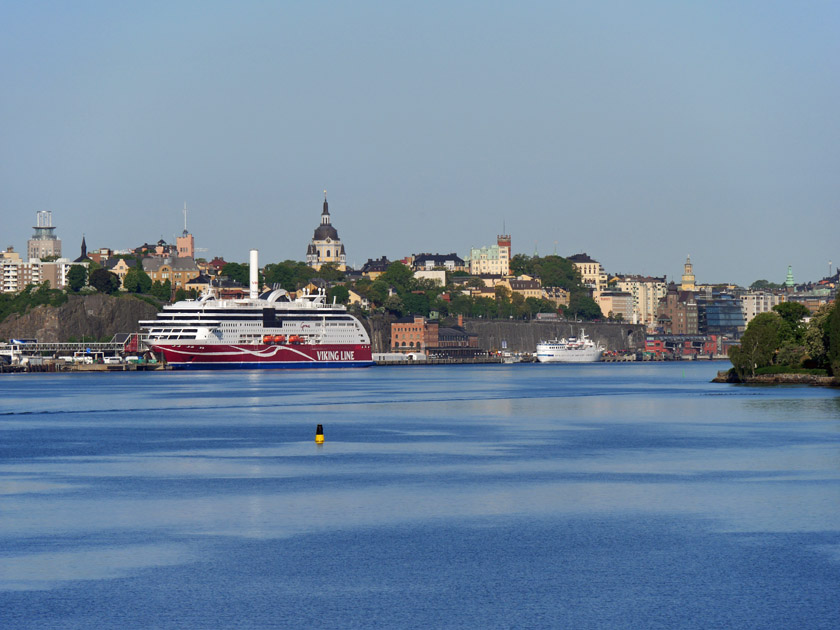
95,490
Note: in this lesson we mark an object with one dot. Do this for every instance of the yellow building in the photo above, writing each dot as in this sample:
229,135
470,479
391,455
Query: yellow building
120,266
591,272
688,283
178,271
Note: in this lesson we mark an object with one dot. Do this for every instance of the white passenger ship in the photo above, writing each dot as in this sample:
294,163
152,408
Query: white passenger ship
571,350
270,330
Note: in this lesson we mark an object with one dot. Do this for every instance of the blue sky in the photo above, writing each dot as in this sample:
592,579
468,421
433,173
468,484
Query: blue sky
638,132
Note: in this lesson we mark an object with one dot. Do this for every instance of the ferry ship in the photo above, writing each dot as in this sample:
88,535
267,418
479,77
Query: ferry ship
571,350
268,330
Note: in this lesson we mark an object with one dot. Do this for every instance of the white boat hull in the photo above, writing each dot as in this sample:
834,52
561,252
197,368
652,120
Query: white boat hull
572,350
587,355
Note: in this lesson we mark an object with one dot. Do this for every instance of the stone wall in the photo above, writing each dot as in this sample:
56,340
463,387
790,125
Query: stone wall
523,336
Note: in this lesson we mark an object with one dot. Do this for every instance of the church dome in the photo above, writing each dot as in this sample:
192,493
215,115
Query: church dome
325,231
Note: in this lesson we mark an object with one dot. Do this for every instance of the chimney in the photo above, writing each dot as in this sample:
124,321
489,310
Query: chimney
460,321
255,275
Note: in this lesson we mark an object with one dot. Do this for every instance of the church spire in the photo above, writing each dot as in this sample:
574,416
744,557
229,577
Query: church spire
325,215
789,281
84,247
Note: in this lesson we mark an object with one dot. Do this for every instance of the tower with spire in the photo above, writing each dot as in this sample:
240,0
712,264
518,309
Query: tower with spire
688,277
790,284
325,246
186,242
83,257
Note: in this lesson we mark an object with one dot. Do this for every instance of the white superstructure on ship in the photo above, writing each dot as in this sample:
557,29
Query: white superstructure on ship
571,350
267,330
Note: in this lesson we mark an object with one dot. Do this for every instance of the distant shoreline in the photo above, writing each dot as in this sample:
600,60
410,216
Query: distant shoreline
777,379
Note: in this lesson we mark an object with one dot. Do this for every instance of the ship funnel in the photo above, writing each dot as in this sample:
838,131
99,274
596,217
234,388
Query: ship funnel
255,274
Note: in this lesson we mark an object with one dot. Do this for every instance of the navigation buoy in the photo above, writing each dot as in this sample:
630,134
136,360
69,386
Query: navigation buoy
319,434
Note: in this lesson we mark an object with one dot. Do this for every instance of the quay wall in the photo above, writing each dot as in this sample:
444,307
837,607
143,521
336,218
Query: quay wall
523,336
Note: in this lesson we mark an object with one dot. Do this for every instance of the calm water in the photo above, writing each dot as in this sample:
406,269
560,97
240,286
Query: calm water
599,496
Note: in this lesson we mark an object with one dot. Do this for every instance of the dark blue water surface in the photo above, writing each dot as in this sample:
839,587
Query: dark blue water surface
521,496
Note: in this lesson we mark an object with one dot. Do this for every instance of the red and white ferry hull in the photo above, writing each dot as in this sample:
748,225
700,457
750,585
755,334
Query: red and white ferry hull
197,356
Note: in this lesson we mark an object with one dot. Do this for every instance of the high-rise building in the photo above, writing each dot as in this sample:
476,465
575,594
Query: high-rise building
44,242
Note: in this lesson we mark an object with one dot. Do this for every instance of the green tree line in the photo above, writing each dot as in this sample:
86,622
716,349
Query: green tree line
396,291
782,341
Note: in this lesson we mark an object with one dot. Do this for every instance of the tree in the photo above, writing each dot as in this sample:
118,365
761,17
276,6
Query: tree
758,344
104,281
239,273
521,264
180,294
330,272
137,281
395,305
340,293
415,304
816,338
377,292
76,278
397,275
289,274
834,340
162,291
556,271
583,307
792,314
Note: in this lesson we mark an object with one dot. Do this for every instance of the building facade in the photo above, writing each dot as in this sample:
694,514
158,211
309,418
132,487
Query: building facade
591,272
719,314
372,269
677,313
493,260
44,243
617,305
647,291
179,271
427,262
756,302
120,266
325,246
17,274
413,334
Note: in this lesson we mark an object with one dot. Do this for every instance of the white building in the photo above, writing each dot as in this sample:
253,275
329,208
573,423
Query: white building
647,291
756,302
493,260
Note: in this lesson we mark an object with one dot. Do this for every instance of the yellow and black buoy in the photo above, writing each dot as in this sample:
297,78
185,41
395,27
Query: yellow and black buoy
319,434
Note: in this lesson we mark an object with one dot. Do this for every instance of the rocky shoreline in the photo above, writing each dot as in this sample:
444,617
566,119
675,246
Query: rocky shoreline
777,379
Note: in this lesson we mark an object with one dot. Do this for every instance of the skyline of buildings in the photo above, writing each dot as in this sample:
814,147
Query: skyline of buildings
651,301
